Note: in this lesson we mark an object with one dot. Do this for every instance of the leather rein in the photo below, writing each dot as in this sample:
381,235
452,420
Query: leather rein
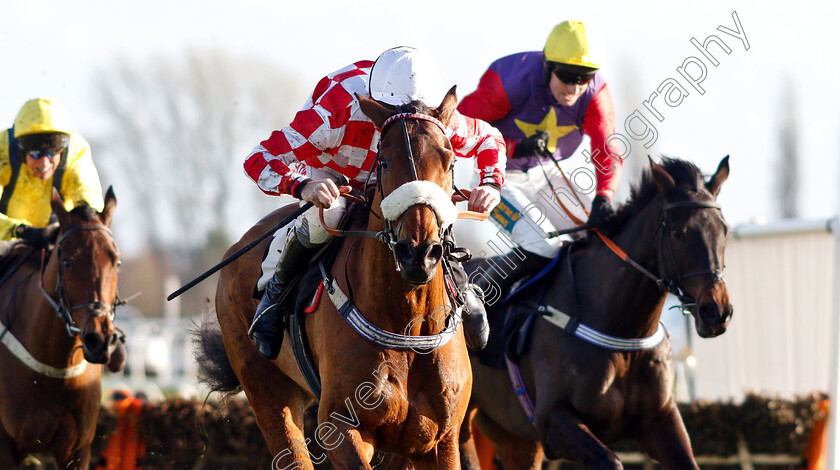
388,236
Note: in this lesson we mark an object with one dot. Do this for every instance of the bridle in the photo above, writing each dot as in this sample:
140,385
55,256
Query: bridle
389,235
666,281
62,304
391,232
672,282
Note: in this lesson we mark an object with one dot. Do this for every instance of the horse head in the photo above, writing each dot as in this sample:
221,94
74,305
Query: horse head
86,262
414,163
692,241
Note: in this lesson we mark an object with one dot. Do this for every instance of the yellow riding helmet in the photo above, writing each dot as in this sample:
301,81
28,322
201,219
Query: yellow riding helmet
42,115
567,44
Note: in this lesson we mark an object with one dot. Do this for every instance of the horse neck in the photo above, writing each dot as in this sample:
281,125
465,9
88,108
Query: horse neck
631,301
45,335
384,297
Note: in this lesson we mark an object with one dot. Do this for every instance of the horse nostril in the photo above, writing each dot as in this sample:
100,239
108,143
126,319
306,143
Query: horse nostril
94,342
403,251
434,252
727,312
711,314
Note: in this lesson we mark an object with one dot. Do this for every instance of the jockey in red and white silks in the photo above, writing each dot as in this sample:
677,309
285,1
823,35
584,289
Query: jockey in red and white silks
332,136
331,139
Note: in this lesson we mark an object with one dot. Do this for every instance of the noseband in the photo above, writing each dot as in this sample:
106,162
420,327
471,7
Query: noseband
62,305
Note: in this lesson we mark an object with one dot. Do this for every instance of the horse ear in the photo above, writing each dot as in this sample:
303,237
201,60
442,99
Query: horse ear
376,111
719,177
110,204
663,180
447,106
57,204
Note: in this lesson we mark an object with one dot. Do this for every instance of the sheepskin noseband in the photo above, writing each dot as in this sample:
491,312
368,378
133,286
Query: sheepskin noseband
420,192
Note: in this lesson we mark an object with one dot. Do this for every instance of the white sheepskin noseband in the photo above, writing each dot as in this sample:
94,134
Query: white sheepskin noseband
420,192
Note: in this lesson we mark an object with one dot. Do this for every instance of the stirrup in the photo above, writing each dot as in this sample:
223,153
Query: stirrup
475,288
259,316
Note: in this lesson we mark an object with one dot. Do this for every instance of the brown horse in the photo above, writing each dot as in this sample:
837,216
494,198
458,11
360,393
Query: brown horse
56,328
590,376
374,398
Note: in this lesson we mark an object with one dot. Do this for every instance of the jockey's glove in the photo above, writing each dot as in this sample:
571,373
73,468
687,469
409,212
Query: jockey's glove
536,145
37,237
601,210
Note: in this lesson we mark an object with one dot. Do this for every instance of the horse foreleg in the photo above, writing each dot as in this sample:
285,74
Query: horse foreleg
80,460
665,439
278,404
466,444
8,451
447,454
280,418
565,436
515,453
351,451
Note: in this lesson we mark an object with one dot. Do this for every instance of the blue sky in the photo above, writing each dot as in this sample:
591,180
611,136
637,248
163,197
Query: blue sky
54,48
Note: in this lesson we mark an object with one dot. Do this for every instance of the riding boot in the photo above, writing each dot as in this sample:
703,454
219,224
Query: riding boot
495,275
267,328
473,314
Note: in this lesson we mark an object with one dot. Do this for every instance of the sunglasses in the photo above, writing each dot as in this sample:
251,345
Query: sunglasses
571,78
39,154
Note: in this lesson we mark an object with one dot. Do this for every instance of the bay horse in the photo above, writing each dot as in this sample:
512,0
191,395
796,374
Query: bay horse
598,365
57,327
373,398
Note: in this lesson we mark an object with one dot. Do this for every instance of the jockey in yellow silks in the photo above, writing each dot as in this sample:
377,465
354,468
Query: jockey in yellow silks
41,152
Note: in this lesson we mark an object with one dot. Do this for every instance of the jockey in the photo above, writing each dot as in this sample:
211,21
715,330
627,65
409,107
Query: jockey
331,140
39,153
543,102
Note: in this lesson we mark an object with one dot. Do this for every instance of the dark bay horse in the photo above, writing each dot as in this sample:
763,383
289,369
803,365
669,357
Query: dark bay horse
57,327
391,399
586,394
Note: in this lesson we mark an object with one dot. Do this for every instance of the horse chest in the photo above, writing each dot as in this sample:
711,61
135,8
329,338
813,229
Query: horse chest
55,429
623,384
420,409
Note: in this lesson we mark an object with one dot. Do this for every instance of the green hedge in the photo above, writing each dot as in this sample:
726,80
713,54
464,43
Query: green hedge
224,435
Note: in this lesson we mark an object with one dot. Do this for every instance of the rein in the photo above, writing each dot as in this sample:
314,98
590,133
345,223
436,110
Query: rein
388,236
62,304
664,282
412,193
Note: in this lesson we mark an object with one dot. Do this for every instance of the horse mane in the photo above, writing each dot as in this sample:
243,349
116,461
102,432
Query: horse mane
85,212
415,107
686,175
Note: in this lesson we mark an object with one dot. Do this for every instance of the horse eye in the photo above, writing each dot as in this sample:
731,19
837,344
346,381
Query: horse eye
66,263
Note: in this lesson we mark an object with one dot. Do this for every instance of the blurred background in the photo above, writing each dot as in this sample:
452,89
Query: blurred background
173,95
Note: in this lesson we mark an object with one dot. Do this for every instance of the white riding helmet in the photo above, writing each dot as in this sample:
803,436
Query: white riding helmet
403,74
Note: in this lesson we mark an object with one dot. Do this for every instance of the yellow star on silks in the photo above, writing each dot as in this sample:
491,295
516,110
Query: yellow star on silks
549,124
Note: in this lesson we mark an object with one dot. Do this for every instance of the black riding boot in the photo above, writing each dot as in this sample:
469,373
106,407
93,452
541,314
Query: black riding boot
473,315
268,325
495,276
